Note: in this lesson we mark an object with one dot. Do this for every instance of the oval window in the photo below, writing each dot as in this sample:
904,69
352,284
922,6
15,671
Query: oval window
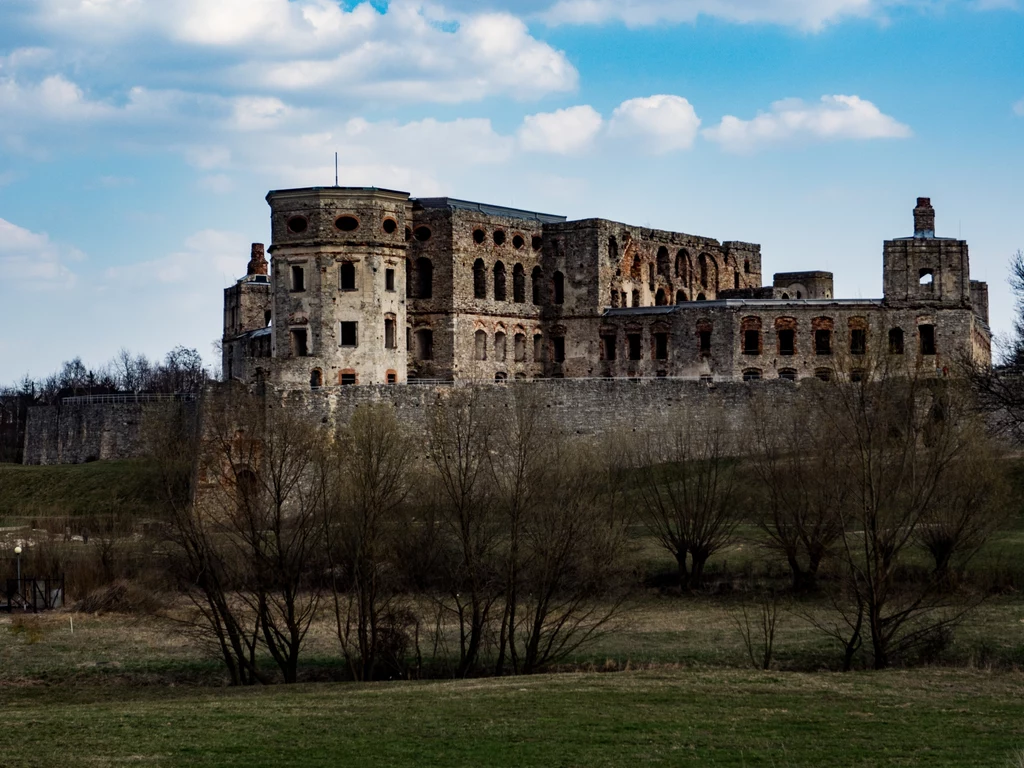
390,226
518,242
499,237
479,236
422,234
347,224
538,241
297,224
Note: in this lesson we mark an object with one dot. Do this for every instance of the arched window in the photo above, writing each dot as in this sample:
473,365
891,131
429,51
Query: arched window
682,265
680,297
499,282
500,377
538,279
613,248
788,374
519,284
479,279
348,276
636,298
316,379
752,374
520,347
480,340
247,488
559,284
823,374
538,348
659,299
636,272
664,265
702,262
424,278
701,297
499,347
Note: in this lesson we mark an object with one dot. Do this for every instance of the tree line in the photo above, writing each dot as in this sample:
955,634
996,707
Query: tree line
496,544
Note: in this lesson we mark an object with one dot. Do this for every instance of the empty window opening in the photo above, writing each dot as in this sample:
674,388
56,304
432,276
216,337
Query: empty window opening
608,346
499,237
316,379
499,282
519,284
752,342
298,279
858,341
390,226
857,375
479,279
348,276
424,278
422,234
705,342
927,278
268,318
348,378
297,225
701,297
479,236
558,347
559,284
752,374
424,344
392,377
787,342
799,294
390,341
650,275
347,223
538,349
350,334
788,373
823,342
499,347
537,242
746,266
682,265
823,374
927,333
520,347
300,342
613,248
736,280
518,242
703,263
664,263
500,377
896,341
680,297
389,280
635,351
660,299
537,278
636,271
636,298
661,346
480,345
785,296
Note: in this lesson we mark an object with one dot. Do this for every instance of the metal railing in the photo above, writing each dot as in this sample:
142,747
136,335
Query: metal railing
127,397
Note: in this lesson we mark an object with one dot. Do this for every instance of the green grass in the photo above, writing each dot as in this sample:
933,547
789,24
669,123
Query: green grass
669,717
38,493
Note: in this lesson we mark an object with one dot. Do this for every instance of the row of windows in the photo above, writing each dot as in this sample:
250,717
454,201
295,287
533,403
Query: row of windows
518,283
348,337
822,341
419,280
499,238
706,271
347,223
498,351
345,378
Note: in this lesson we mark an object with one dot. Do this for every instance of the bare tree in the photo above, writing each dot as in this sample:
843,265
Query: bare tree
802,485
688,482
367,476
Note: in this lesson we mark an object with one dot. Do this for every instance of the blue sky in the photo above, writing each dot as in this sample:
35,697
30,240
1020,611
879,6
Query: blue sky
138,138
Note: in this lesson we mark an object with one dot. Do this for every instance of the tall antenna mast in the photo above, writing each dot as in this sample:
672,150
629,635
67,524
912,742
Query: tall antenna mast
335,169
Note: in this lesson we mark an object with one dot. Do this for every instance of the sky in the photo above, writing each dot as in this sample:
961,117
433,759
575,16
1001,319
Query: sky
138,138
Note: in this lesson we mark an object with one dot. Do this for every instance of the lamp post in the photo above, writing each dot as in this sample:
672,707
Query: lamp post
17,551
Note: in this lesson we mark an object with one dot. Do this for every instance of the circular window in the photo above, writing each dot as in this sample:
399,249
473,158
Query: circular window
422,234
499,237
479,236
347,224
297,224
390,226
518,242
538,241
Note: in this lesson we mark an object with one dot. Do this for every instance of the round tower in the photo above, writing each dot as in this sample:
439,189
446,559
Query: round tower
339,286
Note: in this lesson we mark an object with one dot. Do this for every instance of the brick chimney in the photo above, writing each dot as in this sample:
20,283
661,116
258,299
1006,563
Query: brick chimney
924,218
258,260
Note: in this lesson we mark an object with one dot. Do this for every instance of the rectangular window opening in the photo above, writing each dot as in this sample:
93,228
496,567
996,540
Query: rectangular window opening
751,342
300,342
608,346
349,334
858,341
298,279
927,339
787,342
424,344
823,342
705,343
634,346
348,379
389,280
558,345
661,346
389,334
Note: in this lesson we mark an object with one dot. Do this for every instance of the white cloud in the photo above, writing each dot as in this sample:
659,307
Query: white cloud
1018,108
667,123
564,132
54,98
834,117
31,260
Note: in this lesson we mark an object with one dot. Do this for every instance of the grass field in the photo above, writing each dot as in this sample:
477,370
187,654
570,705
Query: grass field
670,717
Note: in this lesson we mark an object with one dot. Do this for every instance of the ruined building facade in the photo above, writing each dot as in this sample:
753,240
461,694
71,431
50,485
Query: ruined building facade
371,286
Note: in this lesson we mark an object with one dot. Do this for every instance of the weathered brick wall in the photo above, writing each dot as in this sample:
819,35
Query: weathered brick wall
77,433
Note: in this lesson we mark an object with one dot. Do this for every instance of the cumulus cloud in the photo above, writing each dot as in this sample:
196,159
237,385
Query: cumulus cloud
411,51
665,123
52,98
834,117
564,132
31,260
